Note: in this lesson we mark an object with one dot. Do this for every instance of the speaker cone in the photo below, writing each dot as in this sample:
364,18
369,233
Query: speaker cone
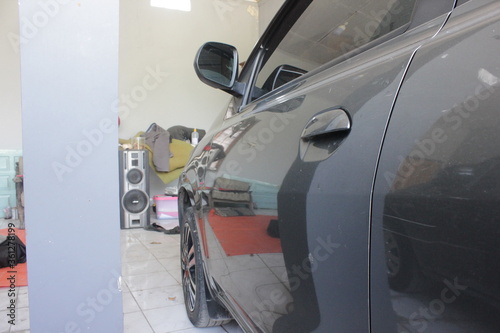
135,176
135,201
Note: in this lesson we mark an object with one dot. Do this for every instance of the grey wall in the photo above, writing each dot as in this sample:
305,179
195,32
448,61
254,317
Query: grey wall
69,74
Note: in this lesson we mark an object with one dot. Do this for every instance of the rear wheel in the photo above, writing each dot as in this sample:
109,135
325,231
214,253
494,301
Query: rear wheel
402,267
193,276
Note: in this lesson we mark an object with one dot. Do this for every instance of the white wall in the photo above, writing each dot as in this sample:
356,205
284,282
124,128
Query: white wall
166,42
267,10
10,78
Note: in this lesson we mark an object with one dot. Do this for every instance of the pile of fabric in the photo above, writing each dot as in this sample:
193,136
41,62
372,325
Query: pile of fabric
169,149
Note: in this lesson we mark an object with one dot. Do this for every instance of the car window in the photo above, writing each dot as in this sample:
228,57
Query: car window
328,30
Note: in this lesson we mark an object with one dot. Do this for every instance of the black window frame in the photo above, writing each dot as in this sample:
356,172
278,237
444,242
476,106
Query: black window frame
280,27
292,10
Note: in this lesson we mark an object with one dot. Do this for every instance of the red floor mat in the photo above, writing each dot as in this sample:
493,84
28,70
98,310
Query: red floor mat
21,274
240,235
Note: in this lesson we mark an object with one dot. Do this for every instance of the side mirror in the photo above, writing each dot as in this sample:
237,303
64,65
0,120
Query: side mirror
281,75
216,64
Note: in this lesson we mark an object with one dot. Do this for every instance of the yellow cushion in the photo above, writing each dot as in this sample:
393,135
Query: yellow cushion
180,151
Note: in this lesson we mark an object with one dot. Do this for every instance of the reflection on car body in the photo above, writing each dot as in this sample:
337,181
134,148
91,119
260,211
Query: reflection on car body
353,184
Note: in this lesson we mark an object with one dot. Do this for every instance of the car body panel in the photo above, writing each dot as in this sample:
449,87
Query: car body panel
438,183
316,191
297,192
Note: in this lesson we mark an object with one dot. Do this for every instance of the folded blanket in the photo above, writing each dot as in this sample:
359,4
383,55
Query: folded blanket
158,141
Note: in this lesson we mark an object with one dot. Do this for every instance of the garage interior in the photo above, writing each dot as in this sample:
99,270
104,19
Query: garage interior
64,89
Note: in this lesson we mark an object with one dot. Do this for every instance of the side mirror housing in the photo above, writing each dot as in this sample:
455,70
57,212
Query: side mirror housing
216,64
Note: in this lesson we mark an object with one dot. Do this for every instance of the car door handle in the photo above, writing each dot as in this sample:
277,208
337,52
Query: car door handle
326,122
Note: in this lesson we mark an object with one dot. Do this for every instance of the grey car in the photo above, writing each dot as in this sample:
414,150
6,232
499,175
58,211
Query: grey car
352,184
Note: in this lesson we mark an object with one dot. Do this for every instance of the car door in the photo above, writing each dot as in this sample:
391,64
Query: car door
286,179
436,200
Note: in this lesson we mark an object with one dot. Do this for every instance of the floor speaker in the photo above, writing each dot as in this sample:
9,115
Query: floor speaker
134,188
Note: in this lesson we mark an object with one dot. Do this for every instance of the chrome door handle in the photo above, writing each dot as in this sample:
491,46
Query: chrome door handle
323,134
326,122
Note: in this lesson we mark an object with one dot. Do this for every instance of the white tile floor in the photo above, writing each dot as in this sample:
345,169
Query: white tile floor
152,294
152,298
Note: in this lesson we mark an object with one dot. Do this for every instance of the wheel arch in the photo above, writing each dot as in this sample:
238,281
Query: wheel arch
185,200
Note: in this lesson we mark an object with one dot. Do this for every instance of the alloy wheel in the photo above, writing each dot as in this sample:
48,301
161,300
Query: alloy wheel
188,266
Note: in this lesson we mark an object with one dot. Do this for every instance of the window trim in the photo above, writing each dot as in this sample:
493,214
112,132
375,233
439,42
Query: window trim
281,24
280,27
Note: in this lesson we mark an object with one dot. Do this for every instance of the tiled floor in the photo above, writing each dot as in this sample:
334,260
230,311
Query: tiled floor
152,294
152,298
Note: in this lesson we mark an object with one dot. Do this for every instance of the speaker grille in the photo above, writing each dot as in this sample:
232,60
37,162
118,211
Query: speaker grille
135,201
135,176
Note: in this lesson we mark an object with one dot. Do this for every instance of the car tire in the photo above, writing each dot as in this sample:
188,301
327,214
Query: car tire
402,267
193,276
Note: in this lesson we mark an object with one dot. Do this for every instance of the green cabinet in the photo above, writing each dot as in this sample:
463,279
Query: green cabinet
8,160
